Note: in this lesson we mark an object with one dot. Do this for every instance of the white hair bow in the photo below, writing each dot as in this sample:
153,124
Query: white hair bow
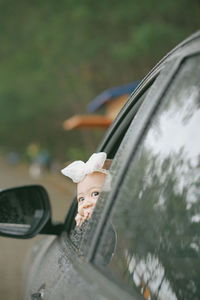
78,169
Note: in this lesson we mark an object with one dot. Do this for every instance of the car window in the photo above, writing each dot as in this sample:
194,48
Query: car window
156,217
81,237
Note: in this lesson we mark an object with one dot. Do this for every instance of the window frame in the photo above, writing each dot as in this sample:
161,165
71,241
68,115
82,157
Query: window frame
118,129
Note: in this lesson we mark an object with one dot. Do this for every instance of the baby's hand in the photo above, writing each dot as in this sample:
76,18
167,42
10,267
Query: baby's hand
85,210
79,220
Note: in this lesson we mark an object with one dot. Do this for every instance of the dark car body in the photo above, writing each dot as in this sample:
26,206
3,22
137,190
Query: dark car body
143,240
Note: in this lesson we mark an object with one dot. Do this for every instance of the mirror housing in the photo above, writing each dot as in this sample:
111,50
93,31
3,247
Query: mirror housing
24,211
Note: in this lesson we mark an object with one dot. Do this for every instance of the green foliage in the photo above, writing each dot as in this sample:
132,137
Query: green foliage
55,57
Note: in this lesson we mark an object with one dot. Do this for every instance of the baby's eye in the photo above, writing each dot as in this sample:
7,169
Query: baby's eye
95,194
81,199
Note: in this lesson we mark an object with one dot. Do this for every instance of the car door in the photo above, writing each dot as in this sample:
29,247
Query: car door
72,265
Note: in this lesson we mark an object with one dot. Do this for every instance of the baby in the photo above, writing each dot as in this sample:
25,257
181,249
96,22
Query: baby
90,178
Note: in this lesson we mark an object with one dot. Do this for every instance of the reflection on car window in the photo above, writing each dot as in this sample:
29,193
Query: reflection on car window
157,213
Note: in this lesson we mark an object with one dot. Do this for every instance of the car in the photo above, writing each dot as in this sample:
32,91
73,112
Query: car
143,239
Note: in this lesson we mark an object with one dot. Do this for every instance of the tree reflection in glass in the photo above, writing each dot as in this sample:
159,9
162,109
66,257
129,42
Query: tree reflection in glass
157,214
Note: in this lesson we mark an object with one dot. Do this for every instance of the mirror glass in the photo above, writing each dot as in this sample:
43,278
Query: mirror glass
22,209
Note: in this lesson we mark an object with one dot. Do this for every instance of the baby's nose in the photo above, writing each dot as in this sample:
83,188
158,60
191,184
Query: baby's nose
89,201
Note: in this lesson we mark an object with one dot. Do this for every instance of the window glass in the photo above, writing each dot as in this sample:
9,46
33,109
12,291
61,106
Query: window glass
156,218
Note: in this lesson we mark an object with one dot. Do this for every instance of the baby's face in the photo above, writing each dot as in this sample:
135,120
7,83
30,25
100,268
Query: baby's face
87,194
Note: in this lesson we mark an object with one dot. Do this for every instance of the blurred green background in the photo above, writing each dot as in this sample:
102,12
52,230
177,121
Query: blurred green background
56,56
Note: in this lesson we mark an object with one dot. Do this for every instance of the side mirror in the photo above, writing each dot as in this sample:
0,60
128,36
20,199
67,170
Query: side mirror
24,211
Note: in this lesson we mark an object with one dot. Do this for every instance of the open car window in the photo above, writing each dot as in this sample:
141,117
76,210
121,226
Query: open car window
156,216
81,237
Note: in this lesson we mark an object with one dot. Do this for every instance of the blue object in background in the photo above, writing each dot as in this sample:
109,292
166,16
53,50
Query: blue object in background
111,93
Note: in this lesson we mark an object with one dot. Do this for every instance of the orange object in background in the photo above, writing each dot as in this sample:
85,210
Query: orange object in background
79,121
111,100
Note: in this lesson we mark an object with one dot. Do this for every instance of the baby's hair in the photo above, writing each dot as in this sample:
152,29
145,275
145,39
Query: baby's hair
107,164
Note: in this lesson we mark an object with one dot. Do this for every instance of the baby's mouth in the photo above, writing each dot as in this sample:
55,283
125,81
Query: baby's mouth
85,211
88,210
